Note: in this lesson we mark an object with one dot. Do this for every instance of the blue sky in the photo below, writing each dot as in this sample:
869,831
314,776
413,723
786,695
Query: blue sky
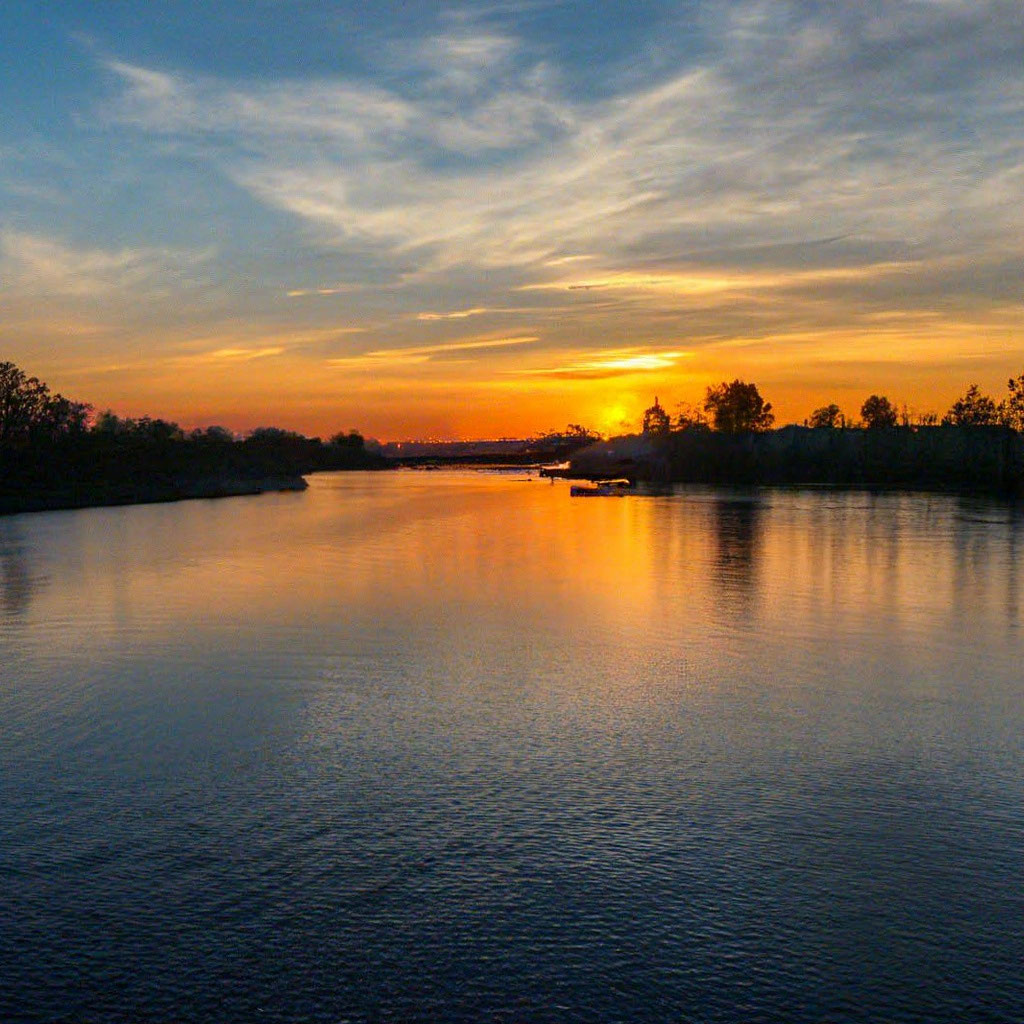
453,219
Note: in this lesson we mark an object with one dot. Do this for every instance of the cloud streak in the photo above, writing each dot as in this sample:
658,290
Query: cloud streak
699,283
388,357
458,314
606,365
234,355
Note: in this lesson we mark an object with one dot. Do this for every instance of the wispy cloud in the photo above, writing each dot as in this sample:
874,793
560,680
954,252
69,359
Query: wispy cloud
458,314
385,357
698,283
233,355
345,289
602,365
561,261
783,129
42,265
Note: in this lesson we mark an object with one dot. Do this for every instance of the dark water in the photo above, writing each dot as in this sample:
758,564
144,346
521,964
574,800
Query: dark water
432,747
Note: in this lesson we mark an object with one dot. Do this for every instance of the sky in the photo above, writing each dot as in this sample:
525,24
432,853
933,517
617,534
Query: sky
495,218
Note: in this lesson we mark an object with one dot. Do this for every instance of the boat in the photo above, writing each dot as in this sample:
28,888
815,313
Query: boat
601,489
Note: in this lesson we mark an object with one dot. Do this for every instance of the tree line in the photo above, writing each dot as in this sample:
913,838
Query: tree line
31,416
737,407
55,453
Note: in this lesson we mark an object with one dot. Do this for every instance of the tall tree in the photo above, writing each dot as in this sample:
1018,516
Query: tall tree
27,409
22,399
973,409
877,412
827,417
1011,409
738,408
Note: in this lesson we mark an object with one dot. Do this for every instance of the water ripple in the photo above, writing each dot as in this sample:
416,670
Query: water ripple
460,749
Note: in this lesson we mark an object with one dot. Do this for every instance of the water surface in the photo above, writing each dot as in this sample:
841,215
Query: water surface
453,746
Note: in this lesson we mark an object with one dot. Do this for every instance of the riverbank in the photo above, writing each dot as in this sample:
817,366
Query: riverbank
955,459
152,492
97,470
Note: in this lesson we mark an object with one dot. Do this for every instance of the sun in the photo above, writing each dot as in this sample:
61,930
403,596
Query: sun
614,419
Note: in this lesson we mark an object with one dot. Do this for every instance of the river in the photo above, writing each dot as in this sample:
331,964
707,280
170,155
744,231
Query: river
454,746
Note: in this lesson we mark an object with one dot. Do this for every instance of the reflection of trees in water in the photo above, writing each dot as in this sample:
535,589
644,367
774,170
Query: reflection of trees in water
16,579
1012,544
986,537
739,527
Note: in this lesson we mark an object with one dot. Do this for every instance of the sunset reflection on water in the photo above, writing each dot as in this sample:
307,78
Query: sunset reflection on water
417,745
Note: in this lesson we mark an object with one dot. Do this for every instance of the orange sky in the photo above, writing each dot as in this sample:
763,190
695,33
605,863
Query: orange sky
488,385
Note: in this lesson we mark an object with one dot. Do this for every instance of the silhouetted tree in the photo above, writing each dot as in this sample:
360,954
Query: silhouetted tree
573,434
28,410
656,420
108,423
21,400
691,417
212,435
738,408
972,410
827,417
279,448
144,430
273,435
877,412
158,430
560,444
1011,409
348,439
62,418
581,433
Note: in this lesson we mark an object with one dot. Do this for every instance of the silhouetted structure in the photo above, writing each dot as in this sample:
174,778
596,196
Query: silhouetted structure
656,420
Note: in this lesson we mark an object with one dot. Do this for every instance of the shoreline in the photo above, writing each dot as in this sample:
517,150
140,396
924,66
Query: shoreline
148,494
955,460
76,499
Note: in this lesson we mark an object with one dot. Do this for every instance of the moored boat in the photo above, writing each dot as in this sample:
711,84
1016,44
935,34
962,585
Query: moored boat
601,489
